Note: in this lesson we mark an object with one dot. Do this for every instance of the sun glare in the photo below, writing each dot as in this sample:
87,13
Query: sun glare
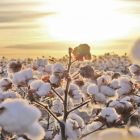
86,20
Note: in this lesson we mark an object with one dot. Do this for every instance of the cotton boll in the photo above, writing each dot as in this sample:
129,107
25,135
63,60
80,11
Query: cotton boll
72,129
93,89
103,80
55,80
109,114
116,104
44,89
121,106
35,132
73,87
18,115
57,107
58,68
101,98
84,115
77,96
18,78
77,118
134,69
85,87
14,66
106,90
36,84
5,84
22,77
48,68
114,84
28,73
125,86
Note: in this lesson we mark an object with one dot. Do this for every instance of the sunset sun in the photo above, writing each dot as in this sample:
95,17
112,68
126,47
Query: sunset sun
86,21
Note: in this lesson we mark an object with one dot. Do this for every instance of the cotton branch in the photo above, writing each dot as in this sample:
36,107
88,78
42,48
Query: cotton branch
84,103
57,94
67,87
47,109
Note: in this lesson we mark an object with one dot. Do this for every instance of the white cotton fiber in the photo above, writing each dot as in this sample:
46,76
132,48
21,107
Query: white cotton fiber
19,116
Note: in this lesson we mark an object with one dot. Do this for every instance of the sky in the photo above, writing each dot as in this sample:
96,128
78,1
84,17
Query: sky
31,27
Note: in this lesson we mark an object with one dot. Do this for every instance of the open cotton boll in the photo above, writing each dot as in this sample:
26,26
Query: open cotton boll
48,68
106,90
44,89
84,87
22,77
103,80
19,78
77,95
5,84
77,118
93,89
54,80
57,107
14,66
28,73
134,69
72,130
35,132
94,126
109,114
73,87
84,115
36,84
101,98
58,68
18,115
114,84
125,86
116,104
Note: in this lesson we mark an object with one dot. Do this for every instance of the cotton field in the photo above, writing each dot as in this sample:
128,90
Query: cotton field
77,97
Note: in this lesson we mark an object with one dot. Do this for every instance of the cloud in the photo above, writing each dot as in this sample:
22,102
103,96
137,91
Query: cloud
14,16
13,27
41,46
